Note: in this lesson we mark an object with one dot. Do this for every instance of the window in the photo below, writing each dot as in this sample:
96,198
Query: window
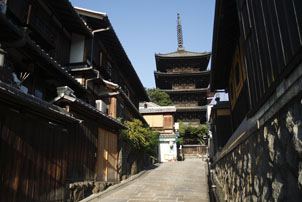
237,75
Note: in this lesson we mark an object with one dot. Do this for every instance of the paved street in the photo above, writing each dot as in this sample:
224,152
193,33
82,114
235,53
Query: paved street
178,181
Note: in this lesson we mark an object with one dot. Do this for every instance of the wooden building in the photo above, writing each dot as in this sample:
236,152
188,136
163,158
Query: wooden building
220,126
160,118
184,76
53,129
257,58
123,89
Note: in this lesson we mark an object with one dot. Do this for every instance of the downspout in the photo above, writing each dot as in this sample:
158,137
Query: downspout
91,56
97,77
92,45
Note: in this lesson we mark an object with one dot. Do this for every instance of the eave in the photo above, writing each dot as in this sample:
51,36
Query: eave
109,39
185,91
183,54
182,74
192,109
224,39
26,103
103,119
69,17
24,42
157,110
203,60
116,91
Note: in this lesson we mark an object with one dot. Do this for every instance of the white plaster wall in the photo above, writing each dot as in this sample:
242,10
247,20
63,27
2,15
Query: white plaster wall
167,153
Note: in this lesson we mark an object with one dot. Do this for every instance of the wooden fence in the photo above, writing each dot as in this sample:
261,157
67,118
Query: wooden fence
39,158
194,150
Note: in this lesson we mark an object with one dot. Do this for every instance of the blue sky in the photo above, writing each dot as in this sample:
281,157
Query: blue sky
146,27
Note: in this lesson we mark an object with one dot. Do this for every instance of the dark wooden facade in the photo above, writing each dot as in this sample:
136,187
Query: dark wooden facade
220,125
268,37
49,141
256,46
257,58
123,89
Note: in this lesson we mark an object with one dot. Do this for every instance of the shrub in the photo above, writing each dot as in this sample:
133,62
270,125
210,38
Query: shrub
192,134
140,136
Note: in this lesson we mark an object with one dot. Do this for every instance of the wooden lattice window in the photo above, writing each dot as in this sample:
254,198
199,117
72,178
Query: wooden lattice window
237,75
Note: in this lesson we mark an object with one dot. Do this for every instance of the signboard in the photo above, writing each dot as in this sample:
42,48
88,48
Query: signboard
166,139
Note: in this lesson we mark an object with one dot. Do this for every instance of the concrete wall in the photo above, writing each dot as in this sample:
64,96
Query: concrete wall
267,166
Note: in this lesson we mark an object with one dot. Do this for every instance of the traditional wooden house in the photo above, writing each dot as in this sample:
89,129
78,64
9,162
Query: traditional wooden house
160,118
123,89
257,58
52,133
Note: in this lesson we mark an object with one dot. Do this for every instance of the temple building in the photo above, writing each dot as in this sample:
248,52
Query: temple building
184,76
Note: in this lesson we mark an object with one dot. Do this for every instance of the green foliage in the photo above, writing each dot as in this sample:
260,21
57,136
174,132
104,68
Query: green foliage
159,97
140,136
192,134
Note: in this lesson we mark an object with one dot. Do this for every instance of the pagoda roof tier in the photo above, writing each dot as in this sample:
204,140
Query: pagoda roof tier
185,91
180,53
166,82
182,74
182,59
191,109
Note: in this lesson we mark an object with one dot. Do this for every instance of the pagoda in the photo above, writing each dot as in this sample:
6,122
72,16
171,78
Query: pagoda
184,76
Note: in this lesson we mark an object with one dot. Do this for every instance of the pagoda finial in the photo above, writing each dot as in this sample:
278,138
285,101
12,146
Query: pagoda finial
179,33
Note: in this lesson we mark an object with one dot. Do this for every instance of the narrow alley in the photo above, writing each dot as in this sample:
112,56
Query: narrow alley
177,181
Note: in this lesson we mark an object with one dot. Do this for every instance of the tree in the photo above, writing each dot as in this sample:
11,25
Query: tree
140,136
192,134
159,97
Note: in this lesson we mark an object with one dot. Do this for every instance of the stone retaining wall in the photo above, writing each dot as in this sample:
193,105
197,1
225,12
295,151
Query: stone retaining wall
268,165
131,161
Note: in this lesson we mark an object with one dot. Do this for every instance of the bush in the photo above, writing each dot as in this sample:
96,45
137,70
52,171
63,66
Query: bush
158,97
192,134
140,136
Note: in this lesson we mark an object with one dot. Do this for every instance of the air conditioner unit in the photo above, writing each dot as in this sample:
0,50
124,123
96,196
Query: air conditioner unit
101,105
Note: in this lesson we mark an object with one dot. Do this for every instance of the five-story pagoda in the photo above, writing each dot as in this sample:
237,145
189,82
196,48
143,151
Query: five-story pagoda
184,76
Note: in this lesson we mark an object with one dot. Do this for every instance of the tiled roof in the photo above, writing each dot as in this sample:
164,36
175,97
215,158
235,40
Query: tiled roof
196,108
194,90
159,109
12,93
183,53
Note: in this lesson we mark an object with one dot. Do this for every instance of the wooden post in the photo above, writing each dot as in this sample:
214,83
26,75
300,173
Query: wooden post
112,107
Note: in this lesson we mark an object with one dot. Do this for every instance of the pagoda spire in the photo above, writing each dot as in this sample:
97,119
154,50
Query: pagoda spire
179,34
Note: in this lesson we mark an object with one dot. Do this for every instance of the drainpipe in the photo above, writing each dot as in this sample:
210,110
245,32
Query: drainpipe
91,57
97,77
92,45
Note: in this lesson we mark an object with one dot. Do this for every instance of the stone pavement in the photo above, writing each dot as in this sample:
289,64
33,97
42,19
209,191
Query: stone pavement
176,181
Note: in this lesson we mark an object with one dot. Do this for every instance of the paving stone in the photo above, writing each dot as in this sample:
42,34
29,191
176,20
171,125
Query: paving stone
184,181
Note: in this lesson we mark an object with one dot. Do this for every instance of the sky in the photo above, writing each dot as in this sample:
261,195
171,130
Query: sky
146,27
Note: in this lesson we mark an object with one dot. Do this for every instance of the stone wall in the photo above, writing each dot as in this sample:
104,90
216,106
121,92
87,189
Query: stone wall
131,161
268,165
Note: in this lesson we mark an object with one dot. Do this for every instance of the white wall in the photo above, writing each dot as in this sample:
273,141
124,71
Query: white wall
167,153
